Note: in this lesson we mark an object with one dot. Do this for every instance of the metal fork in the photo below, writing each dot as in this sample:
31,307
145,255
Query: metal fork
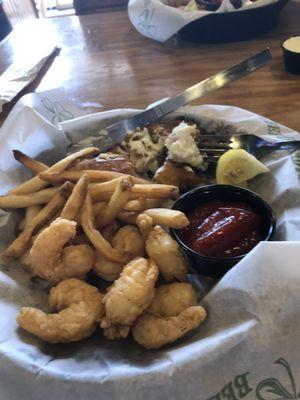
213,146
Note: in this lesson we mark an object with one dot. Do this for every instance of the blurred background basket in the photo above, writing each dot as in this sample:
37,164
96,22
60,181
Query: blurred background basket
233,26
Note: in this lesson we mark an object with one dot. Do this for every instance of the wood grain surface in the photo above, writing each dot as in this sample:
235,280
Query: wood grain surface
104,60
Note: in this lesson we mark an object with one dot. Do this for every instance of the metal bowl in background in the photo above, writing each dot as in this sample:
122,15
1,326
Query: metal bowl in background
233,26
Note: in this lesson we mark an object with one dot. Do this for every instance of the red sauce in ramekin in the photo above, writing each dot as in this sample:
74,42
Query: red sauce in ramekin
222,229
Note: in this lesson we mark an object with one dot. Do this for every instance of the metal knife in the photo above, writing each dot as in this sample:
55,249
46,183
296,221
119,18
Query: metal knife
117,131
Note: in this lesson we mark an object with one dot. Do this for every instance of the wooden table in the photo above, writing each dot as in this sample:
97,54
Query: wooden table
104,60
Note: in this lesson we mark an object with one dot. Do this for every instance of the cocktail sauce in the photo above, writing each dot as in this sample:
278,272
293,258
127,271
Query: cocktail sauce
222,229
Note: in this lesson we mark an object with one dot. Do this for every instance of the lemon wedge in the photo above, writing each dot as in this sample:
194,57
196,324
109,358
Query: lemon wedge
236,167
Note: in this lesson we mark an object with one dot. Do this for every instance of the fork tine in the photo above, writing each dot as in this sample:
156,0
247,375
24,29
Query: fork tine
211,159
214,146
212,137
206,150
224,146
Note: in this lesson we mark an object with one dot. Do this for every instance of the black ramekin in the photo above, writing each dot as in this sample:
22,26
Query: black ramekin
291,58
216,266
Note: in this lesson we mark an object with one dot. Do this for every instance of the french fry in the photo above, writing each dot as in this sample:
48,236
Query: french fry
95,237
103,191
75,201
93,175
98,208
142,204
30,213
21,243
128,217
27,200
110,230
36,183
22,224
119,197
166,217
30,163
155,191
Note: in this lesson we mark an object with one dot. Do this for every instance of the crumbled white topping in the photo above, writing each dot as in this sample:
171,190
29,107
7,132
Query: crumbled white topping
144,153
182,147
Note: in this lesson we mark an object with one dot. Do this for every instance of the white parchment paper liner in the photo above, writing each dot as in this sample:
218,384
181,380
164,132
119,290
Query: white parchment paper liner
156,20
253,317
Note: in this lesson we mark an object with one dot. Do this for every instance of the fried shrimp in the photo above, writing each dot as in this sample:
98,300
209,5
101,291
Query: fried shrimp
50,260
129,239
116,332
79,307
145,224
166,253
131,293
171,299
154,332
73,291
105,269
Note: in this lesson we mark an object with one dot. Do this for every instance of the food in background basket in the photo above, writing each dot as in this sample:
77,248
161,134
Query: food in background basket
213,5
237,3
186,5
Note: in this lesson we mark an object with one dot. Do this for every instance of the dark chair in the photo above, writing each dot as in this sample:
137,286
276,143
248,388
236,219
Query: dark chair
5,26
93,6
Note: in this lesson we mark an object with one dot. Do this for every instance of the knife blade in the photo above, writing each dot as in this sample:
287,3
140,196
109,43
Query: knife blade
117,131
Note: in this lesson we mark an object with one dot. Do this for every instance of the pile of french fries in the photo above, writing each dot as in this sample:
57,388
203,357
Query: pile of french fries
94,199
